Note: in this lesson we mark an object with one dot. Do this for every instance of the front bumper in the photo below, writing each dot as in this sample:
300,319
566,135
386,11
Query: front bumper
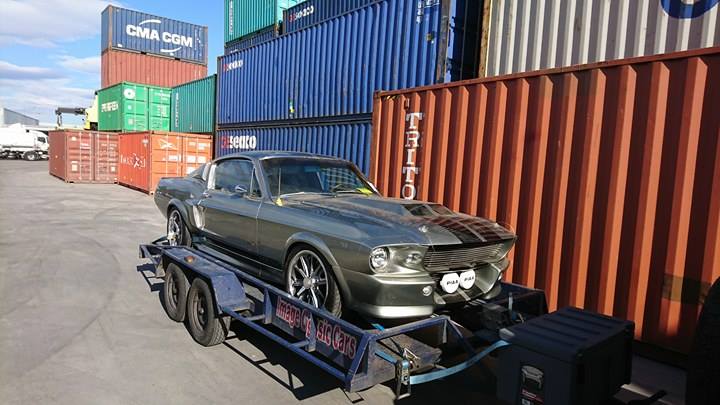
392,296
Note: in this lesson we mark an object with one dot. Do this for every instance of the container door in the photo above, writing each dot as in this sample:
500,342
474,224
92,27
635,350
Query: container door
135,108
159,109
197,150
230,216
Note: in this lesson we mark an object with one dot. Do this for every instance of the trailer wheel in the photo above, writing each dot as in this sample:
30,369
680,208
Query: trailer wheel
703,372
30,156
206,326
174,293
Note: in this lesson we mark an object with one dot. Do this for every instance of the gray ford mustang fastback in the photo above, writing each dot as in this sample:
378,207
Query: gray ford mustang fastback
316,226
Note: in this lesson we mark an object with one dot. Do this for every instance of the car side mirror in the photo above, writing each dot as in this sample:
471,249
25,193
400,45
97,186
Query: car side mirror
240,190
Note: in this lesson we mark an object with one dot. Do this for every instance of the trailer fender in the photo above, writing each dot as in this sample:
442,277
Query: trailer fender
227,289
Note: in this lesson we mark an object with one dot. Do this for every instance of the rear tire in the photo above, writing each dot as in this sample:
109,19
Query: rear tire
177,232
174,293
30,156
206,326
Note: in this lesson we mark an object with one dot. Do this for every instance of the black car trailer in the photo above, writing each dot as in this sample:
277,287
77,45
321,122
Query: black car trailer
570,356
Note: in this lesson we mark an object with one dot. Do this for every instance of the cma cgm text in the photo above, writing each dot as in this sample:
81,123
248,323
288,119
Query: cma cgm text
154,35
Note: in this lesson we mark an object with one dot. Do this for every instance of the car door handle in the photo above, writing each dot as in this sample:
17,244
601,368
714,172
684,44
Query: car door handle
205,194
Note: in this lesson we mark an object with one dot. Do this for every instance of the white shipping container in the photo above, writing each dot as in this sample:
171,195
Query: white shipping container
527,35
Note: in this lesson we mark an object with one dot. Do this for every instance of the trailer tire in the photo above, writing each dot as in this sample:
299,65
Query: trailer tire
174,293
205,325
703,373
30,156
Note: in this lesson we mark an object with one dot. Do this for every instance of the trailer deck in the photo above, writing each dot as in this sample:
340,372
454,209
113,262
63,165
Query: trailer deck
365,353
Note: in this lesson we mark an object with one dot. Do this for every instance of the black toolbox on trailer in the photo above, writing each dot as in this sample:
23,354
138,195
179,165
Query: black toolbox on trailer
570,356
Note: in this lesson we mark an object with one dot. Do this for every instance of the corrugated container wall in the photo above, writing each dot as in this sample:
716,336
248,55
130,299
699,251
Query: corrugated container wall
243,17
84,156
146,157
333,68
256,38
531,35
610,174
193,106
350,141
311,12
120,66
135,31
130,107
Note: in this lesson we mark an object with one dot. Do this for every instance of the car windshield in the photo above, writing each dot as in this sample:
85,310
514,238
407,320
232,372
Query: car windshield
319,176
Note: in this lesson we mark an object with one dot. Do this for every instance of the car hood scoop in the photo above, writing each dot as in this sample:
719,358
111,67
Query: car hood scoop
430,221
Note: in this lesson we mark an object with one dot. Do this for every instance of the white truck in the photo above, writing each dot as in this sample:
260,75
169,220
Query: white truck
18,142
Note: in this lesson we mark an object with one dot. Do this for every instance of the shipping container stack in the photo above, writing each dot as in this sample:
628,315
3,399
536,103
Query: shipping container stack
147,49
311,87
147,62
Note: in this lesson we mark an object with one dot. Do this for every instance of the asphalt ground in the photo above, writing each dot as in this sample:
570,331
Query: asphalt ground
80,324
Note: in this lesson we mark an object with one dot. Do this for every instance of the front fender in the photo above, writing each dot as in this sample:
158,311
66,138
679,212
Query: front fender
319,244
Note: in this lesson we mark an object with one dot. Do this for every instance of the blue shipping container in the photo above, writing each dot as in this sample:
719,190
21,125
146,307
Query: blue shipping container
334,67
312,12
256,38
135,31
350,141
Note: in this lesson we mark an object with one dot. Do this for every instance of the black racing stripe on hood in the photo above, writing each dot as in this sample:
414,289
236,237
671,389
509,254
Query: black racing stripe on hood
489,231
459,230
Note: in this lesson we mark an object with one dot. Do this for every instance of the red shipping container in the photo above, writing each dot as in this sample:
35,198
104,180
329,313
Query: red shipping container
124,66
146,157
84,156
609,172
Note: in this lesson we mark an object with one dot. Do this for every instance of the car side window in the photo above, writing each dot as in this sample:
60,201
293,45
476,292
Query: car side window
232,173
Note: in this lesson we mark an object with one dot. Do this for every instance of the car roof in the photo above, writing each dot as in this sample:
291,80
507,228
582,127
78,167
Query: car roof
265,154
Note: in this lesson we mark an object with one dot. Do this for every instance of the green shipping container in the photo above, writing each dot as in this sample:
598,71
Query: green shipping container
193,106
243,17
131,107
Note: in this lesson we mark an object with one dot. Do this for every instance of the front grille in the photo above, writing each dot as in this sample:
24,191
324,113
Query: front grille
463,257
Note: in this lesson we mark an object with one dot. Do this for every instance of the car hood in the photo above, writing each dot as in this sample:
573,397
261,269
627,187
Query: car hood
413,221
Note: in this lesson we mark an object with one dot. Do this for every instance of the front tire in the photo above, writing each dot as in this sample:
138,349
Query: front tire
309,277
174,293
177,232
206,326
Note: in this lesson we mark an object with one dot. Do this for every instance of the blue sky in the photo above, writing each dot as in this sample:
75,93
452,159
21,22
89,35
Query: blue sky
50,49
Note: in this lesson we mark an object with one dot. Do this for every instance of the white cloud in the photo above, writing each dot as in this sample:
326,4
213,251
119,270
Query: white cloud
90,64
39,98
45,23
16,72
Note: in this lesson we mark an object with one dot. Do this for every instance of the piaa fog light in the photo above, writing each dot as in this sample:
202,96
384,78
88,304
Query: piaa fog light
467,279
427,290
450,282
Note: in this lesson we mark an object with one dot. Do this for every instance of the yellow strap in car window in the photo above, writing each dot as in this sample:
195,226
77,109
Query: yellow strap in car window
279,202
364,190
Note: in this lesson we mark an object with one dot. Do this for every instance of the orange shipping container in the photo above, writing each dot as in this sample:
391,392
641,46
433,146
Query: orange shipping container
146,157
84,156
610,173
124,66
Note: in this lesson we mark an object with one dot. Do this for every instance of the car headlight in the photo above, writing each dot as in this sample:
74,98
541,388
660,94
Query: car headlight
397,259
379,258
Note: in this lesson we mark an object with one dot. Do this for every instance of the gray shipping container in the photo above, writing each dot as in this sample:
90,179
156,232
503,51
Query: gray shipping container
525,36
136,31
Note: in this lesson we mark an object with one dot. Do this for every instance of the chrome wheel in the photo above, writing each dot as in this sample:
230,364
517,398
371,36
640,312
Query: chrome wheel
174,228
308,278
